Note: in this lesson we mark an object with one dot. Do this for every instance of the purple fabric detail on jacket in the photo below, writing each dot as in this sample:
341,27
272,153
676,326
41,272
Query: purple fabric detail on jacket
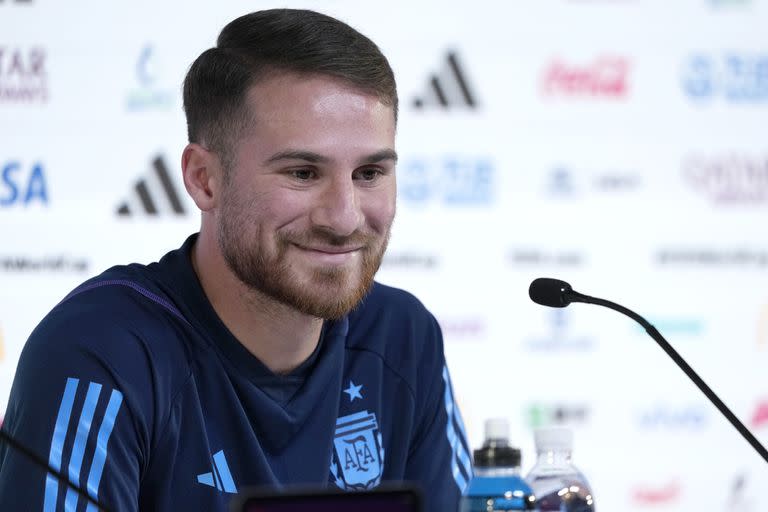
130,284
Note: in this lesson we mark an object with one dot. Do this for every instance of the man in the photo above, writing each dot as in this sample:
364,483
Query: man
261,353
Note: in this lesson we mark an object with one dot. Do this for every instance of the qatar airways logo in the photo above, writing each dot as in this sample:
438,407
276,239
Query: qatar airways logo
728,178
23,75
604,77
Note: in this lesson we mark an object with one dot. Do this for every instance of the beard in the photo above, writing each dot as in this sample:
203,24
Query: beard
328,292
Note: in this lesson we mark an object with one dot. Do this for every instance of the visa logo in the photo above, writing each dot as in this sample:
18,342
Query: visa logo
20,184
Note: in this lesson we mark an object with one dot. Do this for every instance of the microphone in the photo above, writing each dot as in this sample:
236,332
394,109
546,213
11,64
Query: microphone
13,443
558,294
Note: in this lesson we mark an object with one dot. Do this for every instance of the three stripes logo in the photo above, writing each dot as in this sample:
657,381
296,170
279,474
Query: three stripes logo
461,466
154,194
220,477
84,445
448,89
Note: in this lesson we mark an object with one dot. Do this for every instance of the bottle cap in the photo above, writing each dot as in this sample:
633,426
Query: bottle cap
496,450
553,438
499,456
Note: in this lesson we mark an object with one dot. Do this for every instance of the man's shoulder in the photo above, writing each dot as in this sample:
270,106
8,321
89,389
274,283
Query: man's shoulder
122,293
122,317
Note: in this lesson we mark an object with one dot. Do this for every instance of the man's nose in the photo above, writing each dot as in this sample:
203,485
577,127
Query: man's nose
338,209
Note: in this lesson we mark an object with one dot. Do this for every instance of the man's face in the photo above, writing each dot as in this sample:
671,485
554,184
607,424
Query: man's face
306,209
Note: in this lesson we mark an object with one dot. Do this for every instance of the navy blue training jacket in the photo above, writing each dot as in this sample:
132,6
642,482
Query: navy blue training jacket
134,388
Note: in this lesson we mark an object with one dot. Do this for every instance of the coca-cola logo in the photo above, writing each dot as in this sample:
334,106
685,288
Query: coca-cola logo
23,76
606,76
729,178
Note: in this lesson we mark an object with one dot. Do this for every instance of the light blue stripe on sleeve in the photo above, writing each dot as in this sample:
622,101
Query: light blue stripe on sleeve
81,439
100,455
453,439
57,444
461,436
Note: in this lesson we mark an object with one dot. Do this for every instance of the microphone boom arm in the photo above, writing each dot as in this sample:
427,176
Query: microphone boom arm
671,352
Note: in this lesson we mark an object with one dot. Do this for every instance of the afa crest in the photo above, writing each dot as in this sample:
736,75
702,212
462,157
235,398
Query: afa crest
357,462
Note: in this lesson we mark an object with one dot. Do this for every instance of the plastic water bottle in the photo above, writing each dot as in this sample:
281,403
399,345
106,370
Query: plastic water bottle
497,484
557,484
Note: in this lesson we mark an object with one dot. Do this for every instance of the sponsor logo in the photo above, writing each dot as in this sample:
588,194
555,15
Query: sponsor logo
750,258
221,477
728,178
604,77
538,257
407,259
543,415
448,89
357,462
22,184
462,327
657,495
679,326
148,95
23,77
459,181
733,77
760,416
154,195
559,338
617,182
51,263
670,417
562,182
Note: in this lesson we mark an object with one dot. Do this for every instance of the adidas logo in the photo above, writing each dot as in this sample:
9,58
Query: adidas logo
447,89
154,194
220,477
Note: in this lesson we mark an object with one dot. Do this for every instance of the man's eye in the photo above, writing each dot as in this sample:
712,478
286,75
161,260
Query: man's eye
369,174
303,174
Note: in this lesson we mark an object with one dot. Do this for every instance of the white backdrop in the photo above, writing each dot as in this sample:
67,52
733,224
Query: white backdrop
617,144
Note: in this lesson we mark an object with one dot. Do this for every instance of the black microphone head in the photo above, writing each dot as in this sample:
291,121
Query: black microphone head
550,292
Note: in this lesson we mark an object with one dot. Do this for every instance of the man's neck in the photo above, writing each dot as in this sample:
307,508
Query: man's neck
278,335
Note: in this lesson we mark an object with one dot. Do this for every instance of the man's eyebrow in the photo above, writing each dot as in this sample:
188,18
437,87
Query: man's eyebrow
316,158
296,154
379,156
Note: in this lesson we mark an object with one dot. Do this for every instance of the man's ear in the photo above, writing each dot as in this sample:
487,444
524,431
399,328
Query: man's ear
202,175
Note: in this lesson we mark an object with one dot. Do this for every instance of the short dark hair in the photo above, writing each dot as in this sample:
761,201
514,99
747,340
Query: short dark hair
252,46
